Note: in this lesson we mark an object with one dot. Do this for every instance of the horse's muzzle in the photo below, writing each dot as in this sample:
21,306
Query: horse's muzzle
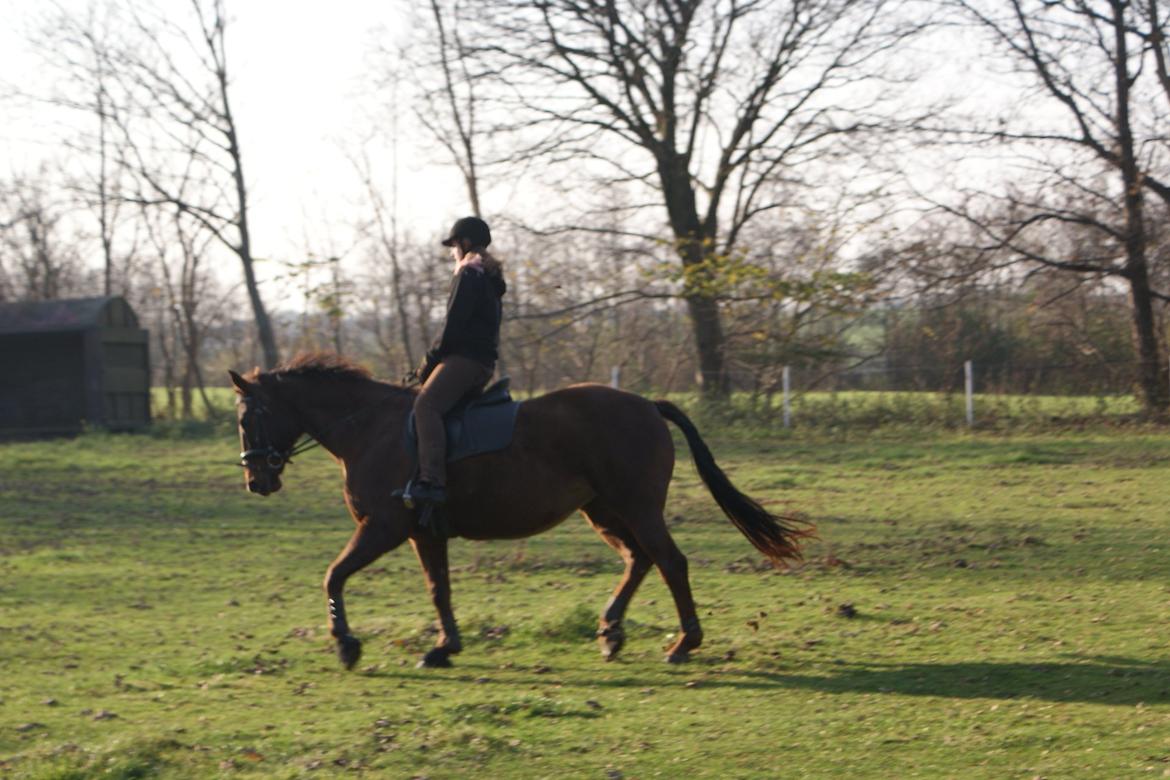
264,487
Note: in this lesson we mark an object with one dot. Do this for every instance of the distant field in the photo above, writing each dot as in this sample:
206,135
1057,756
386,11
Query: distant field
876,408
866,409
1010,592
222,399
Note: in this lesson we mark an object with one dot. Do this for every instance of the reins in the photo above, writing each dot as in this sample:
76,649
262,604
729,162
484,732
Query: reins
276,459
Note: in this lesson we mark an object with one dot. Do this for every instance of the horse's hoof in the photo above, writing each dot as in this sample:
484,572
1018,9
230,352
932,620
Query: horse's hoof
680,651
349,650
436,658
611,639
610,646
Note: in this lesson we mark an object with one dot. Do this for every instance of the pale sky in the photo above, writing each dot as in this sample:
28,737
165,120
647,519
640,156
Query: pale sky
303,94
304,91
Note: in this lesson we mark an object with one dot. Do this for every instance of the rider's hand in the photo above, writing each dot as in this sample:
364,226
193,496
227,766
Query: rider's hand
425,368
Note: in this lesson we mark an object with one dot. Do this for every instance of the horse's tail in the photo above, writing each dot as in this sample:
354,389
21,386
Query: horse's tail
776,536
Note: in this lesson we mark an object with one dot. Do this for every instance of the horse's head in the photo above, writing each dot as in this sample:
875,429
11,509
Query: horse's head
267,434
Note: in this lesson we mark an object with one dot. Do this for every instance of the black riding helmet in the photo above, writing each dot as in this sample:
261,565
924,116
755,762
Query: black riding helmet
473,229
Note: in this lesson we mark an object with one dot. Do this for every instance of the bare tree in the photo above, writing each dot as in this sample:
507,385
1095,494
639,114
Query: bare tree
382,232
180,247
40,254
1092,60
790,301
75,47
78,44
443,71
706,103
173,114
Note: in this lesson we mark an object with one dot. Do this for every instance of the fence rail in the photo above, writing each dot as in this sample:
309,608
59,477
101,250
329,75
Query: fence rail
958,396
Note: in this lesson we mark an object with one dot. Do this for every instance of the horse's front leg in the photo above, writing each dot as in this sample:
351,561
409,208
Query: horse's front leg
432,554
373,537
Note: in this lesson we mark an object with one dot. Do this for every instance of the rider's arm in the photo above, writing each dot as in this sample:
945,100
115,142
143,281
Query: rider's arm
460,307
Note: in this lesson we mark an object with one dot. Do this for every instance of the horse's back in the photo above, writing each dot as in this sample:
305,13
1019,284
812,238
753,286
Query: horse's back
594,413
569,447
617,438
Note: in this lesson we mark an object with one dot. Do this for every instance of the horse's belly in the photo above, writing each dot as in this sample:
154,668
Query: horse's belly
515,511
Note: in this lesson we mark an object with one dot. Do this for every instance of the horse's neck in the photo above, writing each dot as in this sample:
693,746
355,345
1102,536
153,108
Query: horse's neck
345,415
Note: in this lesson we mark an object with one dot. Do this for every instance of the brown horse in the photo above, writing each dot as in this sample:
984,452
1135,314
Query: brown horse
588,447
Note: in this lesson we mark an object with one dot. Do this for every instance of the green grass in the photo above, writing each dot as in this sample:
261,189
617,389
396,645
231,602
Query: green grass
223,400
1011,620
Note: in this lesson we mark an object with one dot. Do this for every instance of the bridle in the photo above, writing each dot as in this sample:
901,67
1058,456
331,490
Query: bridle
276,459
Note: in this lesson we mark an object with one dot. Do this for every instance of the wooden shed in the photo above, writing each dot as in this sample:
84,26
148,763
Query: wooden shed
69,363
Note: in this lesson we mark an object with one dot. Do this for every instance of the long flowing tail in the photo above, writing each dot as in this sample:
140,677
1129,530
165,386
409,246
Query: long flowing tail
777,537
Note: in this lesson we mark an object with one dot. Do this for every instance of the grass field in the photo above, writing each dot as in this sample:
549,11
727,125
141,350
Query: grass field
1010,594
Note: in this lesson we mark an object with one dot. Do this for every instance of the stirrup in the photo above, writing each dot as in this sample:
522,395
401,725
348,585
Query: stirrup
408,499
419,494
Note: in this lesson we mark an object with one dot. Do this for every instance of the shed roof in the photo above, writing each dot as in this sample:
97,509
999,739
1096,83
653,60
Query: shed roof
66,315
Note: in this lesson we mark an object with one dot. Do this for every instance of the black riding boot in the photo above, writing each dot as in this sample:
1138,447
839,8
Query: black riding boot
428,500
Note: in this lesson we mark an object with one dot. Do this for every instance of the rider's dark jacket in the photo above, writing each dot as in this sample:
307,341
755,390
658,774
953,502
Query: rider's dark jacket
474,311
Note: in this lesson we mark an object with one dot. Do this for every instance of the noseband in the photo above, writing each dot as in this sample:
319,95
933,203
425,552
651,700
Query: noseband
263,450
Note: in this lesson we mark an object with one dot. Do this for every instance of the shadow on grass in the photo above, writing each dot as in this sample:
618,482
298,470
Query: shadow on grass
1088,679
1095,679
951,453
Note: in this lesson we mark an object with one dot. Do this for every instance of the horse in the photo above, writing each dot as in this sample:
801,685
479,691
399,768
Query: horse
587,447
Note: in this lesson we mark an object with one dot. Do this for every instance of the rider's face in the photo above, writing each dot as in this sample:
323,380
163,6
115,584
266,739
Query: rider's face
458,250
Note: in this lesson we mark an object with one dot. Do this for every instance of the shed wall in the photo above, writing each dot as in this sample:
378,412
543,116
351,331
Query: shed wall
71,362
125,367
43,388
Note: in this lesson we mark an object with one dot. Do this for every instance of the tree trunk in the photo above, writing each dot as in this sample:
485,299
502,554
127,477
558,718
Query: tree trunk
164,329
107,240
463,118
693,245
391,242
1152,374
244,247
708,330
185,390
244,250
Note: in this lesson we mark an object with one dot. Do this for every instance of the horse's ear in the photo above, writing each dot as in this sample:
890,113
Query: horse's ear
243,386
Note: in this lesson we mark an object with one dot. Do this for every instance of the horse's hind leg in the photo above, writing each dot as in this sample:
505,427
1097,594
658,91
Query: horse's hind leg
610,634
371,539
432,554
649,528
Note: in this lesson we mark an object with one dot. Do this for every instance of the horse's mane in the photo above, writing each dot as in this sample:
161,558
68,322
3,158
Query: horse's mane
328,365
324,365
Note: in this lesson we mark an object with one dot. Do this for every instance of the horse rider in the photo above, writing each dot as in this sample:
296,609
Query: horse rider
463,358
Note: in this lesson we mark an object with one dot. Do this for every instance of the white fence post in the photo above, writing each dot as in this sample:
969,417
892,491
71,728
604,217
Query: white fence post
969,377
786,379
615,375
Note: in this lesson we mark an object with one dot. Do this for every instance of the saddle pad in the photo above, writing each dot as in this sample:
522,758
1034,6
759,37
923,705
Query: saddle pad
476,430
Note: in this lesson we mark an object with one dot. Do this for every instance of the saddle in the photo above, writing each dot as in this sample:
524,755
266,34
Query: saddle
478,423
